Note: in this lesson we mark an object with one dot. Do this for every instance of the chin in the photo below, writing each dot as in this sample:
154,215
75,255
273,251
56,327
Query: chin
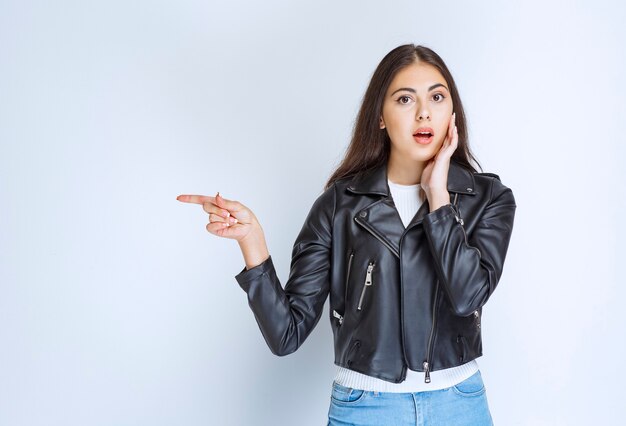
424,152
422,156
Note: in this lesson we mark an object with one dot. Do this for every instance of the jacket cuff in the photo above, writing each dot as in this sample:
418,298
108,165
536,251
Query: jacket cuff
245,276
440,213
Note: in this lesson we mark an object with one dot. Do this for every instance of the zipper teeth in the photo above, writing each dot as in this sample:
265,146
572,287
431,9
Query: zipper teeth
349,266
377,237
432,332
459,220
345,298
335,313
368,282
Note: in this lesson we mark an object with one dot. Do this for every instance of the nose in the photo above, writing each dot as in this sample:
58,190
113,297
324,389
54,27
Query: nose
422,114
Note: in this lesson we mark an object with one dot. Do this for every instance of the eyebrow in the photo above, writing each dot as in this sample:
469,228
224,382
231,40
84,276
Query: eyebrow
409,89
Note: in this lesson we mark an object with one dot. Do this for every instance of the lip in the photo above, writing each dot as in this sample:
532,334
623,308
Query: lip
424,129
421,139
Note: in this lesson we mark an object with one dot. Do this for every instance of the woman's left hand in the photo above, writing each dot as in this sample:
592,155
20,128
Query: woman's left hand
434,179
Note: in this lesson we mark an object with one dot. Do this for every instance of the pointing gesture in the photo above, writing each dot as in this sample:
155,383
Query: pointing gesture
227,218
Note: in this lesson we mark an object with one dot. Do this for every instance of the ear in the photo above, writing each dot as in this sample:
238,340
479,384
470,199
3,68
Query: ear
382,123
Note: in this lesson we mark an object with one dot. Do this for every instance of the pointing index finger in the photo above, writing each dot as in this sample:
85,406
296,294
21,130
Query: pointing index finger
196,199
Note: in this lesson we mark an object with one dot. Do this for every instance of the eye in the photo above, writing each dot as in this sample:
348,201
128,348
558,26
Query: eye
439,94
403,97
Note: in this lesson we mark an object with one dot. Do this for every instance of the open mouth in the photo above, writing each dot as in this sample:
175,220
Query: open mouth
423,136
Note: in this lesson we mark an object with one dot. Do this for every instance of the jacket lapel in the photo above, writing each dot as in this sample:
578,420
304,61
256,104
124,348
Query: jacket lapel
381,218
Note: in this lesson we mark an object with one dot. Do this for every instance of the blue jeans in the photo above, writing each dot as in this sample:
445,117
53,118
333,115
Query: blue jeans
462,404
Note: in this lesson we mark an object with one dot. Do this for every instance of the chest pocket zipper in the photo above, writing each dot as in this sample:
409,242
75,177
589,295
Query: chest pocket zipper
335,313
368,283
347,282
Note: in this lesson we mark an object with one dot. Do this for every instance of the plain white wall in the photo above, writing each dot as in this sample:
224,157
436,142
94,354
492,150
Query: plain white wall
117,307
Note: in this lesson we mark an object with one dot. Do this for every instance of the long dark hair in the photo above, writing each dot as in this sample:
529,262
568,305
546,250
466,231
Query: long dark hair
370,146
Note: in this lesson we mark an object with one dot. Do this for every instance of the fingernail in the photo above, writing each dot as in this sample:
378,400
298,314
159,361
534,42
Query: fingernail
232,220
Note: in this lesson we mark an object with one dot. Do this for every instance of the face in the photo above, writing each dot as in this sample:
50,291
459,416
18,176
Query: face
417,97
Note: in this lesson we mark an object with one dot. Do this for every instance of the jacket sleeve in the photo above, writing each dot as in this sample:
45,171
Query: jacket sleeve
469,267
287,316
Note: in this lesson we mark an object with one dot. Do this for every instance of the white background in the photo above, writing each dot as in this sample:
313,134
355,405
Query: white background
117,307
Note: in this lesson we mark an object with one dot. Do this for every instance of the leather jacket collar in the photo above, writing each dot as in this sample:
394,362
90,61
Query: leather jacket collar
374,181
381,218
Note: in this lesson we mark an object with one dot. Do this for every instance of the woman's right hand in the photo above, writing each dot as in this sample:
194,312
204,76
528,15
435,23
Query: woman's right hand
227,218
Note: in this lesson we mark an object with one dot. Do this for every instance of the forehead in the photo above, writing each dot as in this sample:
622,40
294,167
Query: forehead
418,75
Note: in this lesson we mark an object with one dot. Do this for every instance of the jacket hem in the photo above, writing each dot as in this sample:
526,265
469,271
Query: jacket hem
369,373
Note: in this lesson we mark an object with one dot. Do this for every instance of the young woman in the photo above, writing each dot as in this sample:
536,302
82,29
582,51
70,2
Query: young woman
408,240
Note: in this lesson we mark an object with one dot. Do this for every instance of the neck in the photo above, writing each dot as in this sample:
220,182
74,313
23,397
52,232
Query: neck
404,172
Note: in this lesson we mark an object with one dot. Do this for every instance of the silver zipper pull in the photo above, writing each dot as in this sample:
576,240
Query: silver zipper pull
368,282
427,380
457,212
336,315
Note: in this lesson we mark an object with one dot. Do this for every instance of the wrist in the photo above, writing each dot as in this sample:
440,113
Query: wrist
254,248
253,238
439,200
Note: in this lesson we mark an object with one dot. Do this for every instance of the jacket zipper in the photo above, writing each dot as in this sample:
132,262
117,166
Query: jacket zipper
457,211
375,234
348,273
430,339
368,282
459,219
335,313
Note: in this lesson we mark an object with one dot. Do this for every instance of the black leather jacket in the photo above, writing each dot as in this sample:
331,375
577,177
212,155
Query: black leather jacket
399,297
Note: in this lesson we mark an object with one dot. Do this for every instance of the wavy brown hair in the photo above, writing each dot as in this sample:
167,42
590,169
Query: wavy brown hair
370,146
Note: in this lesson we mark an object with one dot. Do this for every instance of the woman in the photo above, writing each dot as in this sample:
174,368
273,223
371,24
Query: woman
407,239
